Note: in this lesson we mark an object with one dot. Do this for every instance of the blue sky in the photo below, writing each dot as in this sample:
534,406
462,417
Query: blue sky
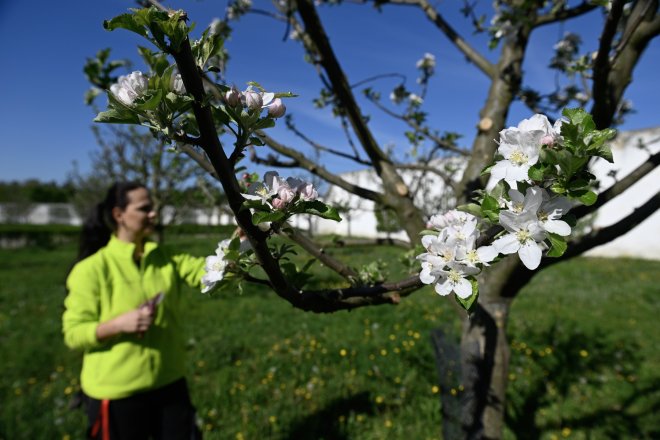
46,125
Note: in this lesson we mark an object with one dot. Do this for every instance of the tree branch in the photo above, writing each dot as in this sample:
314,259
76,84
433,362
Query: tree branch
470,53
320,171
565,14
319,253
619,187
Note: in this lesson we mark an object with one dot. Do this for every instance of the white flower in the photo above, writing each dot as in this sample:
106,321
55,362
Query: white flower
550,213
529,203
426,62
520,146
525,237
215,267
129,87
415,100
453,280
264,191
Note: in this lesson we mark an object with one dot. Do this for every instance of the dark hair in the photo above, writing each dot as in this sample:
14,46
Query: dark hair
99,224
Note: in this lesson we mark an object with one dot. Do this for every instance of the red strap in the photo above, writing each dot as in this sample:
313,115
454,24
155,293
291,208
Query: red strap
102,421
105,418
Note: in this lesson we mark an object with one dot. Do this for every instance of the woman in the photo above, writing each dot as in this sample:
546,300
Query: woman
123,309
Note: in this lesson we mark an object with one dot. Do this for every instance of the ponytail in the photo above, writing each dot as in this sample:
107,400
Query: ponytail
100,224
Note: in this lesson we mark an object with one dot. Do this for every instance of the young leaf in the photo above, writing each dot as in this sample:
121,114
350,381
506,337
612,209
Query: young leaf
469,302
557,245
267,216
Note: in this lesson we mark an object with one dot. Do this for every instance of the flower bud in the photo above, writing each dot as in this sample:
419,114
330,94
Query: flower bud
176,84
286,194
232,97
547,140
276,108
252,99
307,192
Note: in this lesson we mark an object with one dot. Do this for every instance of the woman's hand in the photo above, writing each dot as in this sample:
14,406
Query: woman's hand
134,321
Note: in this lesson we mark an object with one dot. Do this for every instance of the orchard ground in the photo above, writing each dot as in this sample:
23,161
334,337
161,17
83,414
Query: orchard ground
583,352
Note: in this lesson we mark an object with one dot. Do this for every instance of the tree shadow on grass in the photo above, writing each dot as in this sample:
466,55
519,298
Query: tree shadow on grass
580,381
325,425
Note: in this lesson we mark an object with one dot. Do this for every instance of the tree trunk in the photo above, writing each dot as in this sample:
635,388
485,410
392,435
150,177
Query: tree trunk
484,371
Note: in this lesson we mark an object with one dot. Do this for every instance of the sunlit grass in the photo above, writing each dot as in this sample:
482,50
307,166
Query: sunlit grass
583,338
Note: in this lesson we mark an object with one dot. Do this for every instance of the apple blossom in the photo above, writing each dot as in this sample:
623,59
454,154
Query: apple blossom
251,99
520,147
129,87
232,97
305,190
525,237
453,280
276,108
426,62
215,267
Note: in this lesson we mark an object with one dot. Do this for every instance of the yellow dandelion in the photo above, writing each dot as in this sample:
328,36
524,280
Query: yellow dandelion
584,353
379,399
68,390
388,423
239,436
343,352
453,391
435,389
272,419
383,352
200,364
566,432
66,437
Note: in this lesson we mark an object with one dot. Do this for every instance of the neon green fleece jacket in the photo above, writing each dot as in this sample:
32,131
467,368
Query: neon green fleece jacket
108,284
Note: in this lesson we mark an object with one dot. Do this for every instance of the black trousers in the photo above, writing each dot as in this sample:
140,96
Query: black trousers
162,414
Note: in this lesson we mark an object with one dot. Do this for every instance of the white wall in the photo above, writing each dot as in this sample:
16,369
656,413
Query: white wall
641,242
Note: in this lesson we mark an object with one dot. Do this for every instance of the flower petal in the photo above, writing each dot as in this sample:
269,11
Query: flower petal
530,255
463,288
507,244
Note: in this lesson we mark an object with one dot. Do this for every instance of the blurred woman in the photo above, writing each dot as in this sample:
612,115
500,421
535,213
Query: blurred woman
123,309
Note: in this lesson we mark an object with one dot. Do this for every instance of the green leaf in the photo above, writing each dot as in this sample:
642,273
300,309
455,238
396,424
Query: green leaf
112,116
320,209
126,21
490,208
263,123
470,208
469,302
536,172
267,216
557,245
149,101
487,170
588,198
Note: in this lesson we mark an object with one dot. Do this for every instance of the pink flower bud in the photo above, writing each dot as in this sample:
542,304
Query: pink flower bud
286,194
232,97
547,140
307,192
278,203
276,108
251,99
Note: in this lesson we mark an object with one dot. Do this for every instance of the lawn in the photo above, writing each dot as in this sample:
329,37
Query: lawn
584,338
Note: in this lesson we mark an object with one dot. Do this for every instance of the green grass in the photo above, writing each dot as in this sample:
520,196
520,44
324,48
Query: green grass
584,356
